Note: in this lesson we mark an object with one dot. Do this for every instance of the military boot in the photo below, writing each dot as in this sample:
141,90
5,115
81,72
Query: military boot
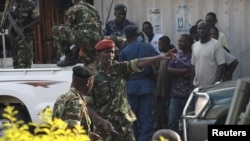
70,58
75,52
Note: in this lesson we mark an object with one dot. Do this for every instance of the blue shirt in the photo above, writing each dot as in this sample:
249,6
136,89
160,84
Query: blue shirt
112,28
139,82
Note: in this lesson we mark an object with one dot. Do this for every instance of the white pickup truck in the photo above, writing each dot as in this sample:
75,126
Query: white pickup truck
31,90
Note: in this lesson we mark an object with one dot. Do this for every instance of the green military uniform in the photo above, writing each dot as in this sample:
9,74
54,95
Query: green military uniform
82,28
71,107
108,99
24,13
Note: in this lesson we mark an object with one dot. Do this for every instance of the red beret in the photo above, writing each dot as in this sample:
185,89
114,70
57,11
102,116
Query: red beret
104,44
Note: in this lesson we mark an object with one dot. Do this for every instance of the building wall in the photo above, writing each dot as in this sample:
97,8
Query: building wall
233,20
44,46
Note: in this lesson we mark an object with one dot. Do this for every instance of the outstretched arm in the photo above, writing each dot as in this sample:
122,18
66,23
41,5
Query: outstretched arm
151,60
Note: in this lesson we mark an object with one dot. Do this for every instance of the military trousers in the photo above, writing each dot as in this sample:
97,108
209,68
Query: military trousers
22,53
85,38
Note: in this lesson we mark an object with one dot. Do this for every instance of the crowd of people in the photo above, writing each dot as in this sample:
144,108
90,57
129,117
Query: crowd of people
133,83
141,81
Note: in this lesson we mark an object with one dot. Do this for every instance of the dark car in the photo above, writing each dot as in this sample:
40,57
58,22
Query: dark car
209,105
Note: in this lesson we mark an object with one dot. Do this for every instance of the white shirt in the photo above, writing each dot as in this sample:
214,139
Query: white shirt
206,57
154,43
222,39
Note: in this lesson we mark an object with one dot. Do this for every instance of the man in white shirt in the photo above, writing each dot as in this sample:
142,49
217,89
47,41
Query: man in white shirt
208,58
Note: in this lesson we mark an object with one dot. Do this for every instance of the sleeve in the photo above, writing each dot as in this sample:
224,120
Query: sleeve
229,58
73,112
133,65
220,54
57,109
223,39
33,9
35,14
224,42
68,15
130,66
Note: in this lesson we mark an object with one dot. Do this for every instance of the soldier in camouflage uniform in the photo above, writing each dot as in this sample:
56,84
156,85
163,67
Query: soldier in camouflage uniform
71,106
120,42
82,29
108,96
26,16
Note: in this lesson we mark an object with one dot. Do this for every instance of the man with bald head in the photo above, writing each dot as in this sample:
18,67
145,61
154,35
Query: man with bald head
208,58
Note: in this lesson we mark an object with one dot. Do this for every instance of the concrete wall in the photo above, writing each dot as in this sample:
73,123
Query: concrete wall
233,20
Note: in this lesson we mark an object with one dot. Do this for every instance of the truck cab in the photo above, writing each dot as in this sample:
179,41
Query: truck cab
218,104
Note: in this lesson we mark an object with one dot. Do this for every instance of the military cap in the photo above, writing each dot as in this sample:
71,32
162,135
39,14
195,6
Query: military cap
120,7
82,72
131,29
104,44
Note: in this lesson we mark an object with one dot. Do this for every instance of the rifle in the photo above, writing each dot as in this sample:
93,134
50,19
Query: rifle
2,29
17,29
8,3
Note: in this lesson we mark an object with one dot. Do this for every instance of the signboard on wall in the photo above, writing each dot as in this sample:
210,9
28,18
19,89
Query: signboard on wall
183,19
154,16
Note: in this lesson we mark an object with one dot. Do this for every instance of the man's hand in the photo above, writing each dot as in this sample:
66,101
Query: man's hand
169,54
95,137
20,30
107,126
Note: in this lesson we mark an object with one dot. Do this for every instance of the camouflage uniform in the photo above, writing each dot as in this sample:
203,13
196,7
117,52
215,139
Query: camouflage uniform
120,42
108,99
71,107
82,28
24,14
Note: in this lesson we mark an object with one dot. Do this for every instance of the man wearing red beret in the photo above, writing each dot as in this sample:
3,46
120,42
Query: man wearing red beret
108,98
104,44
